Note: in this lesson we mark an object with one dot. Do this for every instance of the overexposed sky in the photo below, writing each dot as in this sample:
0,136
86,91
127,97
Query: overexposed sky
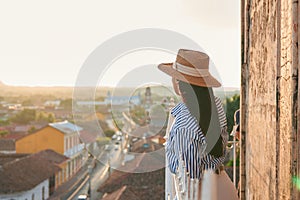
45,43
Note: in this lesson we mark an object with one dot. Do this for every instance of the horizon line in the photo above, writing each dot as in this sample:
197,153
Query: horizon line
73,86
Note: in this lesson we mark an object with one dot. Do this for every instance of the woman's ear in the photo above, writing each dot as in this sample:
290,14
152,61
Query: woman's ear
176,86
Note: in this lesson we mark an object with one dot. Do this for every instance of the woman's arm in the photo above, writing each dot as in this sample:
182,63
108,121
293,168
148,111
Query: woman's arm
190,150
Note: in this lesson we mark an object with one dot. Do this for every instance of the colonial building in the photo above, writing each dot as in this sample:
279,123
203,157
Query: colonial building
62,137
29,176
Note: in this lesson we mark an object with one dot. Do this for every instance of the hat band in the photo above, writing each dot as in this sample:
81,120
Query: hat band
190,71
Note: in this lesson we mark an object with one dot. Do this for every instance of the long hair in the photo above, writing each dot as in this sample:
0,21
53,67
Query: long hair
201,104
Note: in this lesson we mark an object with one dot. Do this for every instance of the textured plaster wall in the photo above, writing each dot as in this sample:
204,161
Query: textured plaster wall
261,134
269,99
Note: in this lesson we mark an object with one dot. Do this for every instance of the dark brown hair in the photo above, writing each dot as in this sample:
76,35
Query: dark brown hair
201,103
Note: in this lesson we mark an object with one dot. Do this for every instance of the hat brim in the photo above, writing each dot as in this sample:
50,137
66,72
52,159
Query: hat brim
207,81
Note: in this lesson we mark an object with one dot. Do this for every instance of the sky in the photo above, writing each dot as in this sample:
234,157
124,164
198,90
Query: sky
45,43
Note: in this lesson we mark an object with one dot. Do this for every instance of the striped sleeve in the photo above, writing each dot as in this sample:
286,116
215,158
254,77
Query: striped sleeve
189,150
221,113
223,123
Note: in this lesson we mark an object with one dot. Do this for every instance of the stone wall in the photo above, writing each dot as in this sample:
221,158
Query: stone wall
269,99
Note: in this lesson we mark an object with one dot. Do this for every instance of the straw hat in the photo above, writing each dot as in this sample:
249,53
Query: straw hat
191,67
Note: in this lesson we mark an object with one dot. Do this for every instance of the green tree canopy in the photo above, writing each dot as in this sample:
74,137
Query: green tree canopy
50,118
31,129
24,117
109,133
45,117
138,115
66,104
232,104
27,102
3,132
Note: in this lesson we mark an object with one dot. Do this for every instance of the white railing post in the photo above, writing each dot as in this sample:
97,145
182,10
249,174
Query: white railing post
187,185
208,189
197,189
192,189
168,197
234,160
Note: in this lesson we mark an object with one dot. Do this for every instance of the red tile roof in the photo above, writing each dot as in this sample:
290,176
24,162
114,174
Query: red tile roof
5,158
24,173
146,186
7,145
139,184
14,136
87,137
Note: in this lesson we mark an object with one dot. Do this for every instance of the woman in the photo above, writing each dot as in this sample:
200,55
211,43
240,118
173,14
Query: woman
198,135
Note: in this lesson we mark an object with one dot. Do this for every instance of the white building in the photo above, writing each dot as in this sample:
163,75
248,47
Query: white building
41,191
122,100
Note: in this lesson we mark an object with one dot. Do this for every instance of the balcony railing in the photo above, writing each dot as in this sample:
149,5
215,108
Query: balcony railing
74,150
181,186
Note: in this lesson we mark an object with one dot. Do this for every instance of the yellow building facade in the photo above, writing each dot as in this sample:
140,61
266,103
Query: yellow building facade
63,138
45,138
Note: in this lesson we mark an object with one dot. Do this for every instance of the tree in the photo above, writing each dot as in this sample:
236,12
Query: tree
109,133
27,102
41,117
138,115
4,122
24,117
66,104
3,132
232,104
31,129
45,117
51,118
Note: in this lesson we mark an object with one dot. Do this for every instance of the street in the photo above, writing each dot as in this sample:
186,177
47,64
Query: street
100,172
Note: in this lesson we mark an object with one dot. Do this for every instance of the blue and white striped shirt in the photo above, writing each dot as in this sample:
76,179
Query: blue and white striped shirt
186,141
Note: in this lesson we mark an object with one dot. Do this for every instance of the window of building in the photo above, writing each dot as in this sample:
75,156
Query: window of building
32,197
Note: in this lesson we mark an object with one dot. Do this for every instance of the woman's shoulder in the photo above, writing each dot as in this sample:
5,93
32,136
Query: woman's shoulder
180,112
188,132
184,121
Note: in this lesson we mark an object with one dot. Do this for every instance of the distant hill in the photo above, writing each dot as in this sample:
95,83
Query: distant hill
58,92
64,92
26,91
